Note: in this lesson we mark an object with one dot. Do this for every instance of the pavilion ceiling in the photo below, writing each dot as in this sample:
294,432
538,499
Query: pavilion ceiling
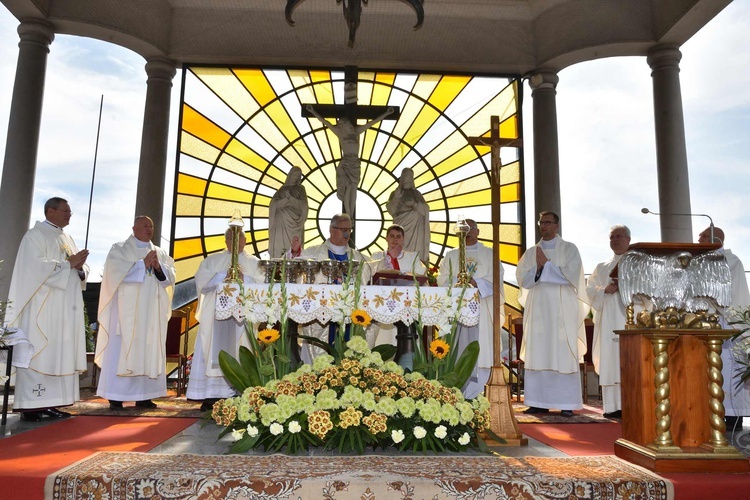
480,36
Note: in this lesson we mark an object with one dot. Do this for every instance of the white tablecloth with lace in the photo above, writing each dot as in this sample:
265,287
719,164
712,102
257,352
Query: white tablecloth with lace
333,303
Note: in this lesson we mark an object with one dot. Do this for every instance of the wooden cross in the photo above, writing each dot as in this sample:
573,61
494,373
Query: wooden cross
348,132
503,422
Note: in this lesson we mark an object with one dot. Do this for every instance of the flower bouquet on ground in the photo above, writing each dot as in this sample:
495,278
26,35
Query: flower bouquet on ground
740,319
356,403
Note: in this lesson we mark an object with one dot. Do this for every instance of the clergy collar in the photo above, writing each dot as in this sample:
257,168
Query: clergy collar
472,247
53,225
337,249
141,244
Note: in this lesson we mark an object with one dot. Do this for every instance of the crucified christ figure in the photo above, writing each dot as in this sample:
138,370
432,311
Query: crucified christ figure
348,169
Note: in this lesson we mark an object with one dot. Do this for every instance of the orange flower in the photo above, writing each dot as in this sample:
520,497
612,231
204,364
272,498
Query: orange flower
360,317
439,348
268,336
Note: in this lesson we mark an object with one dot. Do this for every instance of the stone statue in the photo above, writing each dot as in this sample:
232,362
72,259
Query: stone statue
348,169
409,210
288,214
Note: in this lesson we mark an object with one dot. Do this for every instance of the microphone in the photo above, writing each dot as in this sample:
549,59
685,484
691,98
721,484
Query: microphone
710,226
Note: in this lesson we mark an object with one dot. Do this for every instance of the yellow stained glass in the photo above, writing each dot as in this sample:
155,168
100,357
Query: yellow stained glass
238,148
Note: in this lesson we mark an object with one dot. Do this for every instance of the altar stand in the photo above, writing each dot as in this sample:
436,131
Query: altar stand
670,359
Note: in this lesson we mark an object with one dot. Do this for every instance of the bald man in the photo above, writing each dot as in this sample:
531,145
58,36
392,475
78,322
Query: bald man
135,305
736,399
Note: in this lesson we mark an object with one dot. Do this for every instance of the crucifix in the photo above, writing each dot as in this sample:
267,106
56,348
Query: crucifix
348,132
497,391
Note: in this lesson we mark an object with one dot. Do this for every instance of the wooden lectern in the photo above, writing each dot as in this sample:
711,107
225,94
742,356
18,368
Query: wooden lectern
672,397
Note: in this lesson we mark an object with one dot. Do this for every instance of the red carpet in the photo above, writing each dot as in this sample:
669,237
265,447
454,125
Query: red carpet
28,458
576,439
599,439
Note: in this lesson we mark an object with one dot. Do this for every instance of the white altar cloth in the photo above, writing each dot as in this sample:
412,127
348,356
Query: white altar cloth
438,306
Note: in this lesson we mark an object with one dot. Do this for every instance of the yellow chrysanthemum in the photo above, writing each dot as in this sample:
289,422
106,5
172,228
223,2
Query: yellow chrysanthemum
268,336
439,348
360,317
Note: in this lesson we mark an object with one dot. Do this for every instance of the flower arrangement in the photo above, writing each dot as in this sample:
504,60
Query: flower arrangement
431,272
350,405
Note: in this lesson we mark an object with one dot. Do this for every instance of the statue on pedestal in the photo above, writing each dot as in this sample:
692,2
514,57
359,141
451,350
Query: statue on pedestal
287,215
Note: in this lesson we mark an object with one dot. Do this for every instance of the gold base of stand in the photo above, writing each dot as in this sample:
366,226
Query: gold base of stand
503,421
726,460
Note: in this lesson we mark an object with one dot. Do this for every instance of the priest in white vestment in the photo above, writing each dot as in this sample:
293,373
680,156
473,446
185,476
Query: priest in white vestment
207,382
46,304
479,264
609,315
135,304
736,399
553,294
397,260
336,247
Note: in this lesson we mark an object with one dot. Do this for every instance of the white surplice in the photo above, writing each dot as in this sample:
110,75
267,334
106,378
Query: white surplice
554,334
609,315
46,304
206,378
134,310
479,268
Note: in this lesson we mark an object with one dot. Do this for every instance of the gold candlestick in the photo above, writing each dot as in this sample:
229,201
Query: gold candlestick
462,228
235,224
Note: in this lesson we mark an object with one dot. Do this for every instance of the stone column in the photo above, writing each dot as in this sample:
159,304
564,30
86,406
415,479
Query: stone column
546,152
153,163
671,152
22,144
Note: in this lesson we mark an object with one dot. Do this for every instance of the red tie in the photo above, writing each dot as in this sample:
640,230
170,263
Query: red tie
394,262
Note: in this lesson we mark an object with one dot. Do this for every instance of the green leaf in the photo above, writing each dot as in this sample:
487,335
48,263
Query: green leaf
249,362
386,351
465,364
233,372
318,343
266,370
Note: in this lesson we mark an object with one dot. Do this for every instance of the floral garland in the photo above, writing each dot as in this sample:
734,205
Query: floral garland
356,403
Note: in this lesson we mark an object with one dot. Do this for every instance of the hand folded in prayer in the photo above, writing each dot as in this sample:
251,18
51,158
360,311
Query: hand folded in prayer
78,260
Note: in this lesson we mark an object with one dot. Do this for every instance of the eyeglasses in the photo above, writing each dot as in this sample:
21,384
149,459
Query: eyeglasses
64,211
546,222
343,229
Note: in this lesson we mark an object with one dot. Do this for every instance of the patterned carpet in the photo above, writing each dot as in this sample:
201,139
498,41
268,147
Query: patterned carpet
591,413
136,475
169,406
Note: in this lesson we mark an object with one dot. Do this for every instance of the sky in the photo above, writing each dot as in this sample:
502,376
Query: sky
605,127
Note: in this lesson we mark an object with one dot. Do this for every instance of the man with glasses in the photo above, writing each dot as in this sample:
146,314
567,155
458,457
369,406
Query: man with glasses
609,315
336,247
46,303
553,294
479,268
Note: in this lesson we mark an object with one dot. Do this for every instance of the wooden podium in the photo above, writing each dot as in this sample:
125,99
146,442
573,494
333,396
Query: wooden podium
672,401
672,396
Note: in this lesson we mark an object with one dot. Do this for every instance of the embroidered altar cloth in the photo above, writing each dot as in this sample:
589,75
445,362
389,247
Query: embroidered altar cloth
306,303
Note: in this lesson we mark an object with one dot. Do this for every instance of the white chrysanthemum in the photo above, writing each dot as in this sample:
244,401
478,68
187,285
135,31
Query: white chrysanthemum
397,435
419,432
252,431
276,428
294,427
464,439
441,432
358,345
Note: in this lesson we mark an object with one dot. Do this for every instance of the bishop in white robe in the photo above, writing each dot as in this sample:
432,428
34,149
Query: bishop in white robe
207,382
135,304
46,305
336,247
553,294
479,264
609,315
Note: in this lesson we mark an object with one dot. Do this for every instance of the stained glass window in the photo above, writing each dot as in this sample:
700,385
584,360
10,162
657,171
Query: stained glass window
242,129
